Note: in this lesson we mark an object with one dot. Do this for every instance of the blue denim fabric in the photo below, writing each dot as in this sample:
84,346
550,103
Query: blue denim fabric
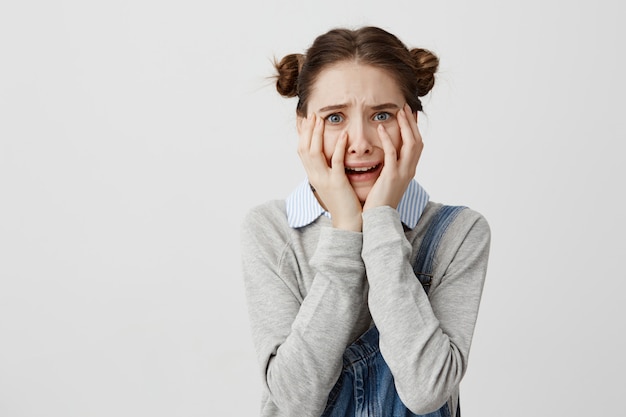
365,386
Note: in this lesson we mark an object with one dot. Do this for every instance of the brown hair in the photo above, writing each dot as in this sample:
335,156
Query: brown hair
413,69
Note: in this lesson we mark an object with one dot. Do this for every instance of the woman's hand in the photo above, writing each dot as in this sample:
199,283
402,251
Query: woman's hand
398,171
330,182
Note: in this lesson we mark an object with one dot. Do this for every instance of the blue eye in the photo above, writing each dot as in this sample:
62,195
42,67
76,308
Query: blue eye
382,116
334,118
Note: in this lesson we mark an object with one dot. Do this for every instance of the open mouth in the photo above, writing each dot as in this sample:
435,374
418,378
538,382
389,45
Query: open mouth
362,170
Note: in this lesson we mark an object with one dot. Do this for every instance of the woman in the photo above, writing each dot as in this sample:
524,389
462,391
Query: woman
345,317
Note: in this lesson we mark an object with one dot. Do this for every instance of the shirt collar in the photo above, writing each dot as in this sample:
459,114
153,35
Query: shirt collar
303,208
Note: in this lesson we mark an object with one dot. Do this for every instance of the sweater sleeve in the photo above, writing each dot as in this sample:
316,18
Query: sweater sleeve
425,342
300,342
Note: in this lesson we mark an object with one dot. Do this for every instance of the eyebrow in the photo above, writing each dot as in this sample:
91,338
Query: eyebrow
377,107
385,106
333,107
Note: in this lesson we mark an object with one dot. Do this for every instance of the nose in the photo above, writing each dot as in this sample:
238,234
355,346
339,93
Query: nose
360,138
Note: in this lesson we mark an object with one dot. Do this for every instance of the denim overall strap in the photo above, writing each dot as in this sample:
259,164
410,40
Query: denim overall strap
365,387
423,264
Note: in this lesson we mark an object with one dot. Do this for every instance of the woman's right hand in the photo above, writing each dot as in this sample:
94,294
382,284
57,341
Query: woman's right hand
332,188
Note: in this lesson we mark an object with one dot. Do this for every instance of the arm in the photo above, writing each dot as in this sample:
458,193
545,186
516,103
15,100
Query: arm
300,342
424,341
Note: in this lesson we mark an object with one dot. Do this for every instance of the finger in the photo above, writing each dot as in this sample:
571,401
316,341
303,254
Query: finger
411,140
412,123
407,133
339,152
317,139
304,144
317,158
311,140
391,156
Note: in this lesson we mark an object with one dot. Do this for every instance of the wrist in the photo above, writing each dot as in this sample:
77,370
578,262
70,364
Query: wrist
353,225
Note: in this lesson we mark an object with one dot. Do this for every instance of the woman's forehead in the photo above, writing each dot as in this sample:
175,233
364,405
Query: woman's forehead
350,82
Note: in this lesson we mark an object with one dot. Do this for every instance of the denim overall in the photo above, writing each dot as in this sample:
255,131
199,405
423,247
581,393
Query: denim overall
365,387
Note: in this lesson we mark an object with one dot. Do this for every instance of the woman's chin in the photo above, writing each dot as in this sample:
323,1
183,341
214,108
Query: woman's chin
362,193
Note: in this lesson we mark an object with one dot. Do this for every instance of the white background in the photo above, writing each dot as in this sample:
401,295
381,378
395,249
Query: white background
135,134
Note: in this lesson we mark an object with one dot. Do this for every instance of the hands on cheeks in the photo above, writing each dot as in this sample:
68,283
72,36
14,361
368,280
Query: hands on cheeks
331,183
398,170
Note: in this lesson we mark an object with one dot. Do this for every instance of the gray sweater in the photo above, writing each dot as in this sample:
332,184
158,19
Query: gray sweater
309,297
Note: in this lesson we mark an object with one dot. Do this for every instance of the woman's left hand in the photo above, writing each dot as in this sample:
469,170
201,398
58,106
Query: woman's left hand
398,171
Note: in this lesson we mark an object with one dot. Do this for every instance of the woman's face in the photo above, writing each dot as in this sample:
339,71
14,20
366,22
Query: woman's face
357,98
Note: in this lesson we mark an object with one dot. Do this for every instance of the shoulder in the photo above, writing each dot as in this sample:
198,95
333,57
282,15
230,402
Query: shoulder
462,253
463,221
467,230
272,209
267,219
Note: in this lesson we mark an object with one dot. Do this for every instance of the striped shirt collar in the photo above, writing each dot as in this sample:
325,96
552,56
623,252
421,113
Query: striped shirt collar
303,208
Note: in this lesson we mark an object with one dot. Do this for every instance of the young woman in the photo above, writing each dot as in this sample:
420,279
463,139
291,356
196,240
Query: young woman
362,294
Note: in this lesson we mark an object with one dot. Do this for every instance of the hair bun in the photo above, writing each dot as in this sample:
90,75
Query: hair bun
426,64
287,78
